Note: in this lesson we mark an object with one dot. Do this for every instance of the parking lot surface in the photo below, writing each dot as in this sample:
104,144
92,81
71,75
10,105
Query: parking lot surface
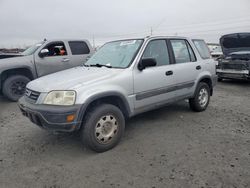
169,147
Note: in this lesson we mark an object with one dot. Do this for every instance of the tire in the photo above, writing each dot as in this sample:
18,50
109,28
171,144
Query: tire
220,79
14,87
201,99
103,128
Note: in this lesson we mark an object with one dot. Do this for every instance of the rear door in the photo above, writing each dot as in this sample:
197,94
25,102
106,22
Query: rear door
208,64
57,59
80,52
153,85
187,68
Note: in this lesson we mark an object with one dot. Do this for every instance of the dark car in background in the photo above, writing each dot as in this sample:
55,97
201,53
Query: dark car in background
235,62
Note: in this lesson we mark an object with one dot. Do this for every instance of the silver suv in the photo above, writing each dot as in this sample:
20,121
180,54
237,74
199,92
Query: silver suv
122,79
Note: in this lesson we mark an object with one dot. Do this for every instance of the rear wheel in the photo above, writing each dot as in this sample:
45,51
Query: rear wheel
220,79
14,87
201,99
103,128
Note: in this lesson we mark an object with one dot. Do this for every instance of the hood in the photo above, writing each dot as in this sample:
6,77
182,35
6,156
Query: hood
19,59
237,42
9,55
73,78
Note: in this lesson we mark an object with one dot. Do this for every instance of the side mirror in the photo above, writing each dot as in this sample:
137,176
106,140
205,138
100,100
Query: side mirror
146,62
43,53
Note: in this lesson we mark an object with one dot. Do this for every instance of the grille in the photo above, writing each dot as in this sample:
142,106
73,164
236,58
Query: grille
236,66
32,95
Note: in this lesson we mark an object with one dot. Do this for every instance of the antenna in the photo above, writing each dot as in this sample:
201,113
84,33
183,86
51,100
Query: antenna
93,41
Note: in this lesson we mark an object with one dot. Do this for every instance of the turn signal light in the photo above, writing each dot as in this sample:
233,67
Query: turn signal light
70,118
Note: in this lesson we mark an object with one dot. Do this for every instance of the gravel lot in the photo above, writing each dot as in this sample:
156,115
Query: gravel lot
169,147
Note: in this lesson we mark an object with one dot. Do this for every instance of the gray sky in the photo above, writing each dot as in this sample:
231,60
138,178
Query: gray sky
23,22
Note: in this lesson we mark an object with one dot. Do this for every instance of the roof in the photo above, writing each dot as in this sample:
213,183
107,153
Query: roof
66,39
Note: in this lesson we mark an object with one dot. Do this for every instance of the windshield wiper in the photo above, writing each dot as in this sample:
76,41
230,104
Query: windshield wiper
98,65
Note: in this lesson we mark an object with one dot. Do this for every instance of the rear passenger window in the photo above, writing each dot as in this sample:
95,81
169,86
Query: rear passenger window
183,52
157,49
78,47
202,48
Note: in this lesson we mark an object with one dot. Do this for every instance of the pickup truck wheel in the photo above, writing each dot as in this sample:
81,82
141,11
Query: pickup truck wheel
201,99
220,79
103,128
14,87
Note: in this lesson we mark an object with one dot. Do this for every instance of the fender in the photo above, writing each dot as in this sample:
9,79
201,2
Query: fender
13,69
19,67
205,77
101,96
211,79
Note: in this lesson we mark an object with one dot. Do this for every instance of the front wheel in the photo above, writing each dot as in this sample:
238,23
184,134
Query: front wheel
14,87
103,128
201,99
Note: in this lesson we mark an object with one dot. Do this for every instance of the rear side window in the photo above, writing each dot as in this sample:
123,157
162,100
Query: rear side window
78,47
202,48
183,52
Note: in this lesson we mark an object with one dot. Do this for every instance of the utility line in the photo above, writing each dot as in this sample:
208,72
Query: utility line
206,24
159,27
212,30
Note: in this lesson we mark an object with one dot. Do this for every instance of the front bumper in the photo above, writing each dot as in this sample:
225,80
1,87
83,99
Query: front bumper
51,117
233,74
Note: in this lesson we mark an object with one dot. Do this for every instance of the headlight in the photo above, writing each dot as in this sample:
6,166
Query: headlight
60,98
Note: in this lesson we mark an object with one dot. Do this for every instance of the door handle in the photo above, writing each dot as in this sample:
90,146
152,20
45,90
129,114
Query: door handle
65,60
198,67
168,73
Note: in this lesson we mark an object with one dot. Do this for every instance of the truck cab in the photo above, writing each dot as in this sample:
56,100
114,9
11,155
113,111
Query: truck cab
41,59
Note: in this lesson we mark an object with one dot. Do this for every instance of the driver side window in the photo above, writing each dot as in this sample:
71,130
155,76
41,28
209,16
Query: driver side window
56,49
157,49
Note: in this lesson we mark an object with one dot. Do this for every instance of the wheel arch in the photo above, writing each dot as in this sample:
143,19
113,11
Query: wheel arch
208,80
17,71
114,98
25,71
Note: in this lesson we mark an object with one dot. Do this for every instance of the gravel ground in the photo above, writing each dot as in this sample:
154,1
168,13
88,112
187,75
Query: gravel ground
169,147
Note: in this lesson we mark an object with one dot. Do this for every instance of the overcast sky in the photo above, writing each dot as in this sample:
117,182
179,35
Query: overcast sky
25,22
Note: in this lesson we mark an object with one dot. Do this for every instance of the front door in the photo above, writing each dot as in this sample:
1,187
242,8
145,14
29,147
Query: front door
153,85
56,60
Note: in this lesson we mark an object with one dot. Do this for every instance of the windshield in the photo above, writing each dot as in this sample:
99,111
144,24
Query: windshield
32,49
214,48
118,54
217,49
